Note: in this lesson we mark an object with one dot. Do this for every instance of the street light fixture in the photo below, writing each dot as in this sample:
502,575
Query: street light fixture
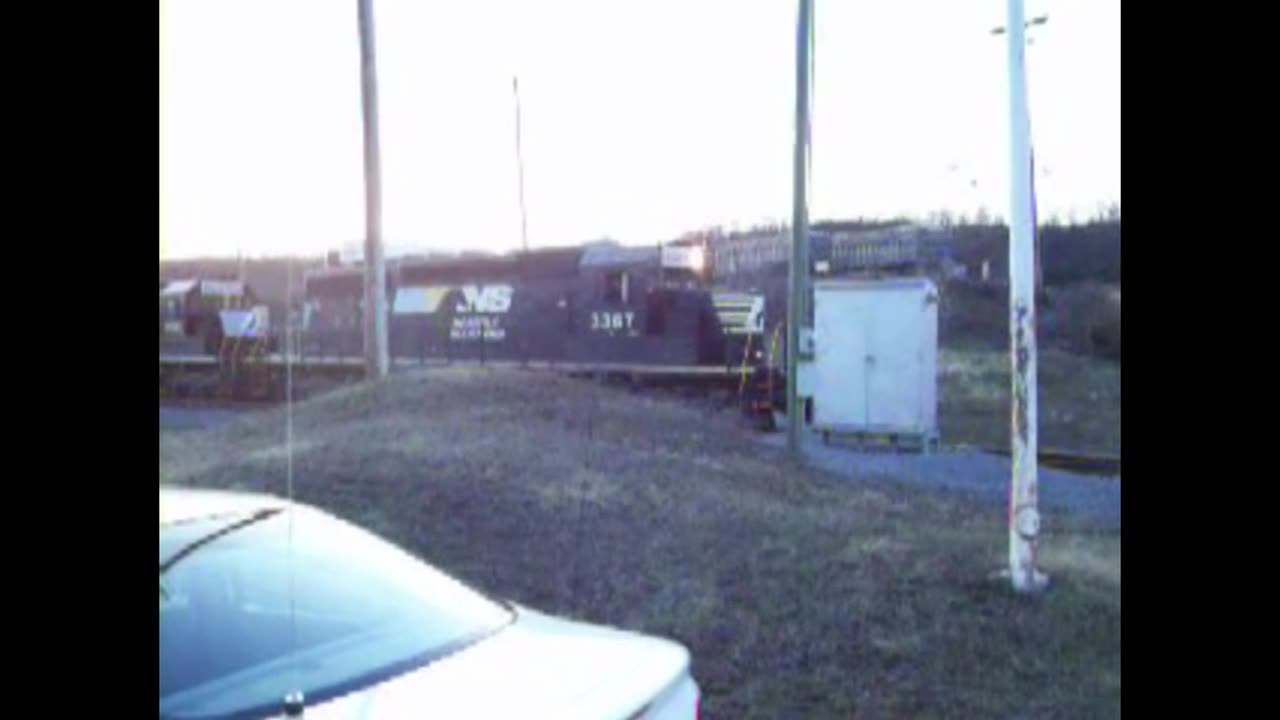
1038,20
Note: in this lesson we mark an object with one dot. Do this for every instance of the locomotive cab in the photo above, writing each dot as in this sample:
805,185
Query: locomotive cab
190,308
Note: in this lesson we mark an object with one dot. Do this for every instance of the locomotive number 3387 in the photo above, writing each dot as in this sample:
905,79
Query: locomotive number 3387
612,321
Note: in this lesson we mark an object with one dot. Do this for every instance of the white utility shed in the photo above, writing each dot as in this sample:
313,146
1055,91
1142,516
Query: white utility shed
875,357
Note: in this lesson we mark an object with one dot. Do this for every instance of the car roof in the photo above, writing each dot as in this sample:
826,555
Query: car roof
179,505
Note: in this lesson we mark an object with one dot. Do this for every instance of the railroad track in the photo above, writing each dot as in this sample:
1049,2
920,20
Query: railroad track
1083,463
213,403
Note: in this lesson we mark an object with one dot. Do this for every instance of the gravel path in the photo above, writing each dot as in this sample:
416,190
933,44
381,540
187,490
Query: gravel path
1091,498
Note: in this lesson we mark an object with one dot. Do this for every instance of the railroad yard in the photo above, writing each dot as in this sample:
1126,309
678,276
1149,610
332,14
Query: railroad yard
627,489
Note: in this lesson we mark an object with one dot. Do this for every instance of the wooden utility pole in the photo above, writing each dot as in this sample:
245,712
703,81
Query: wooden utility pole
375,276
799,276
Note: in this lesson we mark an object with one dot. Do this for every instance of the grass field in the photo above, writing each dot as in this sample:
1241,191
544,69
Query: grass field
1079,400
1078,382
799,595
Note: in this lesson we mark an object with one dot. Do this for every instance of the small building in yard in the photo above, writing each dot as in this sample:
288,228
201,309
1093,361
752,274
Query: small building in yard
873,366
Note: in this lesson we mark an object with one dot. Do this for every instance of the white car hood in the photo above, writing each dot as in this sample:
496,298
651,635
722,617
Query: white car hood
536,667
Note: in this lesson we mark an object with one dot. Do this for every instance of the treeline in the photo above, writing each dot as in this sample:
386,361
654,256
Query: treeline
1077,253
1069,254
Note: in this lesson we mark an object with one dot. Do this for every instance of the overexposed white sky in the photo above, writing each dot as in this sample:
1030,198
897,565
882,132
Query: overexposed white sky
642,119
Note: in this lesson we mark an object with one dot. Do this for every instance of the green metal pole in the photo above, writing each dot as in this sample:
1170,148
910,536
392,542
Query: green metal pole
799,278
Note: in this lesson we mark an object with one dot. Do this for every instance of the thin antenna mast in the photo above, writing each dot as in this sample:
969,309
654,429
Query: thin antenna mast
294,702
524,225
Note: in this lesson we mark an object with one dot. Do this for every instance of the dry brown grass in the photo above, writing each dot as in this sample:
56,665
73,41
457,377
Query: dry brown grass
1079,400
799,595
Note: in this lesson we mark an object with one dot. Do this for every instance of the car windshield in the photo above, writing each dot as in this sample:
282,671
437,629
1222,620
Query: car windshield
249,616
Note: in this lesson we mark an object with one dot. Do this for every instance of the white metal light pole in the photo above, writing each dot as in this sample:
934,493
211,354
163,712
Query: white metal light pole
375,276
1035,220
1024,516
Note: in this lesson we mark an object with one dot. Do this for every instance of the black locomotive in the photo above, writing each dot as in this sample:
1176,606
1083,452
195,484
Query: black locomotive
190,309
636,310
597,304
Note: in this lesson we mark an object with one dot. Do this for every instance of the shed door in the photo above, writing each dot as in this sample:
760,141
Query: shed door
893,359
840,344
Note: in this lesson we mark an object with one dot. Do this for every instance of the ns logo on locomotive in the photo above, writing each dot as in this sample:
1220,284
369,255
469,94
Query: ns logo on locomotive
485,299
470,321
